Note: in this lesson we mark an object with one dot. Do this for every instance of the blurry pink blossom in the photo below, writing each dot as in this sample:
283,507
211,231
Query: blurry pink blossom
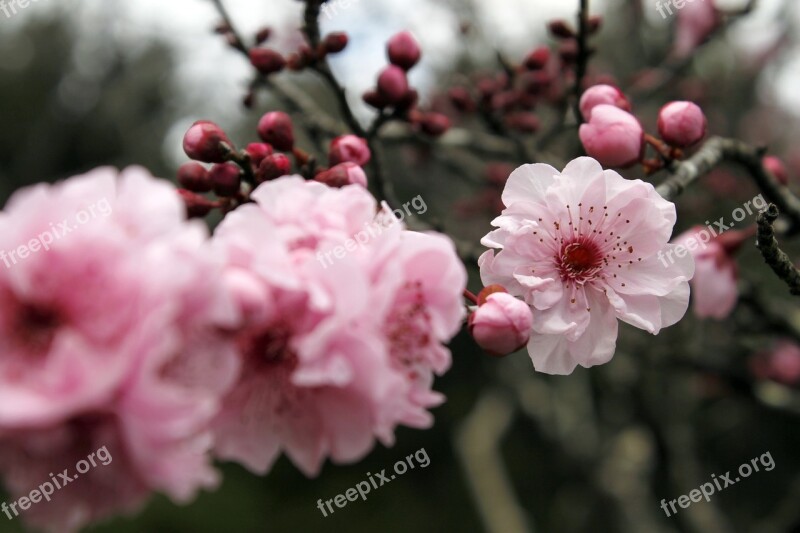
110,337
714,284
336,353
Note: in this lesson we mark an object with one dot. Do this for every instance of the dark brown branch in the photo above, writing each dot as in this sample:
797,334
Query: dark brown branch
718,150
776,258
582,61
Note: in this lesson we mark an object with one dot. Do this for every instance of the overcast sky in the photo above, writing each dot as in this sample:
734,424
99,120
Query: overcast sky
206,64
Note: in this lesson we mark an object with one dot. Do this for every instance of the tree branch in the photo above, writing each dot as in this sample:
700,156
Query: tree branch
717,150
780,263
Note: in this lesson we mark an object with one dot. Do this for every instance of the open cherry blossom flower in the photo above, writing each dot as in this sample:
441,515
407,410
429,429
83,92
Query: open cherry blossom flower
337,350
144,380
580,246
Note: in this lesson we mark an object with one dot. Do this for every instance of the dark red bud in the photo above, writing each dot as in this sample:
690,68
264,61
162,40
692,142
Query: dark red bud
272,167
226,179
194,177
266,60
276,129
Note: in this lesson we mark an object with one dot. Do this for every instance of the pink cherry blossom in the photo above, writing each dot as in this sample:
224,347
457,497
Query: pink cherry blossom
502,325
580,246
602,94
714,288
144,380
612,136
337,350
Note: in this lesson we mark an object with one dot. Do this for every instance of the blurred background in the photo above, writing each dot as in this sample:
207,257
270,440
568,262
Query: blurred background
107,82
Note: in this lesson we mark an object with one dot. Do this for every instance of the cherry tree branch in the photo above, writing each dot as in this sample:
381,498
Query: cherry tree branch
718,150
776,258
582,61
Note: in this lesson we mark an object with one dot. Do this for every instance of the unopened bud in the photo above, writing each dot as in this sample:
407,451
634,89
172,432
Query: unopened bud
272,167
205,141
275,128
403,50
226,179
194,177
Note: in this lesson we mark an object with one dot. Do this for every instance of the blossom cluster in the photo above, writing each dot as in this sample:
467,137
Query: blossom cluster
145,335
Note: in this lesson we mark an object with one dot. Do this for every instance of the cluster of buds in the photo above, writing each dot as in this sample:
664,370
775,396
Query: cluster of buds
393,91
616,138
501,324
232,173
306,56
509,98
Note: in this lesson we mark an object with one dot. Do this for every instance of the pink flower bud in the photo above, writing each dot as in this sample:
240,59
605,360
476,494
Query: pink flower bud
501,325
257,152
602,94
375,99
226,179
560,29
343,174
266,60
537,58
612,136
334,42
434,124
275,128
461,99
776,167
403,50
196,206
681,124
349,148
263,35
781,364
523,121
272,167
393,84
194,177
204,142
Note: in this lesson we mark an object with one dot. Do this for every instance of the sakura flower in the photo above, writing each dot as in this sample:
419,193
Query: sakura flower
337,349
580,247
716,274
143,380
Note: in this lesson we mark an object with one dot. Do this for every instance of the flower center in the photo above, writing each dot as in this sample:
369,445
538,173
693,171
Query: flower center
580,261
36,327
